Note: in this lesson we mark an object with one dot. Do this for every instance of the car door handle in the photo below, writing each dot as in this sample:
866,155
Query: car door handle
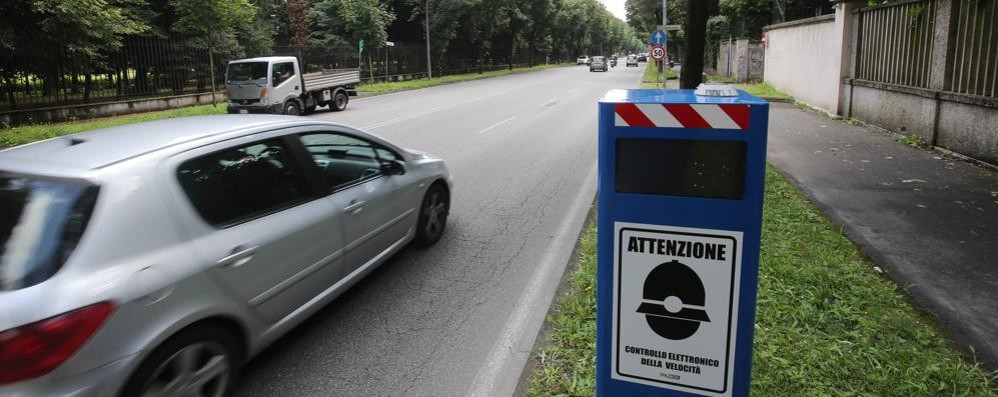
354,207
238,257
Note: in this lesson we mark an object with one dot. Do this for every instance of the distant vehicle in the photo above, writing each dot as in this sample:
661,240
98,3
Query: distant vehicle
598,63
277,85
154,259
632,60
613,62
643,57
583,60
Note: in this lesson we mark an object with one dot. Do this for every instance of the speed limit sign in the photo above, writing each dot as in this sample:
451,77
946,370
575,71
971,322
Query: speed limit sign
657,52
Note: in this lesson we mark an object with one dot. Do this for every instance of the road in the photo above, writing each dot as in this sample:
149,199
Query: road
461,317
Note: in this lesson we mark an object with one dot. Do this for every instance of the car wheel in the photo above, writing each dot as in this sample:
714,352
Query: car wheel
340,100
198,362
432,216
291,108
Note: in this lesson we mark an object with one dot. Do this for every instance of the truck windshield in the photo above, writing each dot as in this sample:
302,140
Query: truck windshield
41,221
246,72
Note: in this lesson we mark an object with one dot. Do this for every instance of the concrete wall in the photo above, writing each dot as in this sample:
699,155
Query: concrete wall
803,58
747,60
90,110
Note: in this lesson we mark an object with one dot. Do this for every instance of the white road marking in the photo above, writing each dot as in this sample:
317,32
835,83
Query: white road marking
496,125
504,360
445,107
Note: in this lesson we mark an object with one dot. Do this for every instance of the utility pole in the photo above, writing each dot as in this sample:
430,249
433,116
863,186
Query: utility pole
426,12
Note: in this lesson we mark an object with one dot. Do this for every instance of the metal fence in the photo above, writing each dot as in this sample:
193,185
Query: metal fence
974,63
141,67
146,67
895,43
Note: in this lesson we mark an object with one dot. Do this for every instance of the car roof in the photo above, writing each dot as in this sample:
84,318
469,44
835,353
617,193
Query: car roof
103,147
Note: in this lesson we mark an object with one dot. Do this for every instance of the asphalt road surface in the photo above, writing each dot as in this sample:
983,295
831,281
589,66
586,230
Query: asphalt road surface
460,318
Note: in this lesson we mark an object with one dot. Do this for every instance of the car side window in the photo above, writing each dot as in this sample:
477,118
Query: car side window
282,72
342,160
386,155
241,183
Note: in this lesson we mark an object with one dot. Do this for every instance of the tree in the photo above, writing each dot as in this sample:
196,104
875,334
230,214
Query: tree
691,74
81,32
298,14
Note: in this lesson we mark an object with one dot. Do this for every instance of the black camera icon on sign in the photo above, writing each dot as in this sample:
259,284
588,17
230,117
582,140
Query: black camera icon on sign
674,301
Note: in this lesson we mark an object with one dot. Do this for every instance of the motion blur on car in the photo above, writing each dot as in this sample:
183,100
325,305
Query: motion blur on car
157,263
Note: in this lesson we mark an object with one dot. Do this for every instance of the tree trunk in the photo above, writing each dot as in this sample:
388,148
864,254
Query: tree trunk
696,31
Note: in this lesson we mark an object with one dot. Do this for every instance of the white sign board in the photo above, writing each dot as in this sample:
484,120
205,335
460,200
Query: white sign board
675,306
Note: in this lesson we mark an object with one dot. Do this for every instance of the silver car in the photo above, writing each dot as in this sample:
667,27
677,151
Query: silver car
598,63
153,259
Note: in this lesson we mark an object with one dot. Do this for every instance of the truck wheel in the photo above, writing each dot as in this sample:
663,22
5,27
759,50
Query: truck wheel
291,108
340,100
310,109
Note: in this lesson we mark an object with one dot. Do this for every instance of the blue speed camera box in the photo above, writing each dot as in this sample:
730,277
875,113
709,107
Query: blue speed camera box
679,220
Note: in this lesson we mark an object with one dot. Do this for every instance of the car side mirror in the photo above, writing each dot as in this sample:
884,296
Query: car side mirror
394,167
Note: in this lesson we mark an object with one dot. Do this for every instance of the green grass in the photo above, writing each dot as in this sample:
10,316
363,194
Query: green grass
714,78
764,90
653,75
30,133
827,325
381,88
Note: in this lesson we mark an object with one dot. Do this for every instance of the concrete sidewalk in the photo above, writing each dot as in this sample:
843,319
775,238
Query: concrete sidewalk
929,221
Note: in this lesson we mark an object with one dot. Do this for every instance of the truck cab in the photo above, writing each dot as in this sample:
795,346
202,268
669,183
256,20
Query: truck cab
278,85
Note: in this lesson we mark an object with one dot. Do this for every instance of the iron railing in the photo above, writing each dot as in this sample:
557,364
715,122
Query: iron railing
974,64
895,43
147,67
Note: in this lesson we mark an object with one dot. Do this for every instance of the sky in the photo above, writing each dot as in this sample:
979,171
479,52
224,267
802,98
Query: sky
616,7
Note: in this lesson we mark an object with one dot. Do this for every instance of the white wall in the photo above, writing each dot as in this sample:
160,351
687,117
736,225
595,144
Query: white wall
803,59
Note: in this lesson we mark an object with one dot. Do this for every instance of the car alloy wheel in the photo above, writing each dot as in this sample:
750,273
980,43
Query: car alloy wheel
433,216
201,369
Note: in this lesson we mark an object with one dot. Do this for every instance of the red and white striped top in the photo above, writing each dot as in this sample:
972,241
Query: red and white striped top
700,115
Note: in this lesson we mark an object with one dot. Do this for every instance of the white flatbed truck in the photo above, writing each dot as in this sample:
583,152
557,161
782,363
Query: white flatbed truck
277,85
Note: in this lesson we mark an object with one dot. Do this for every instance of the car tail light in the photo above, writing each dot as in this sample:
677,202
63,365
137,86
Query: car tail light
263,92
35,349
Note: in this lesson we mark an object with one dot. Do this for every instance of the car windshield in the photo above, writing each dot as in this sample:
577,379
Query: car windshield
246,72
41,221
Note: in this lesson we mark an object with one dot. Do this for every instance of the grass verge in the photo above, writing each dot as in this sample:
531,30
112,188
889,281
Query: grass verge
383,88
764,90
30,133
652,74
827,325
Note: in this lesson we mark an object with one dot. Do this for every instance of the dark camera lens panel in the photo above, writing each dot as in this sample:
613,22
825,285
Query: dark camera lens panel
681,167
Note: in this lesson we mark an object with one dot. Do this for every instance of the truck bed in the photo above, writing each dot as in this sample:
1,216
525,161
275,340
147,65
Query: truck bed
331,78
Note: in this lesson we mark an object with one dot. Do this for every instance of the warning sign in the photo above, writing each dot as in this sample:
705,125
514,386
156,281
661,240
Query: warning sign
675,306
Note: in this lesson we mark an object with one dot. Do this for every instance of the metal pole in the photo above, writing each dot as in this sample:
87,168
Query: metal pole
665,63
426,12
211,65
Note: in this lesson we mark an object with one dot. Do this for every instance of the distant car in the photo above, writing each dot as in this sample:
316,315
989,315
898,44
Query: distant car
155,258
632,60
598,63
583,60
643,57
